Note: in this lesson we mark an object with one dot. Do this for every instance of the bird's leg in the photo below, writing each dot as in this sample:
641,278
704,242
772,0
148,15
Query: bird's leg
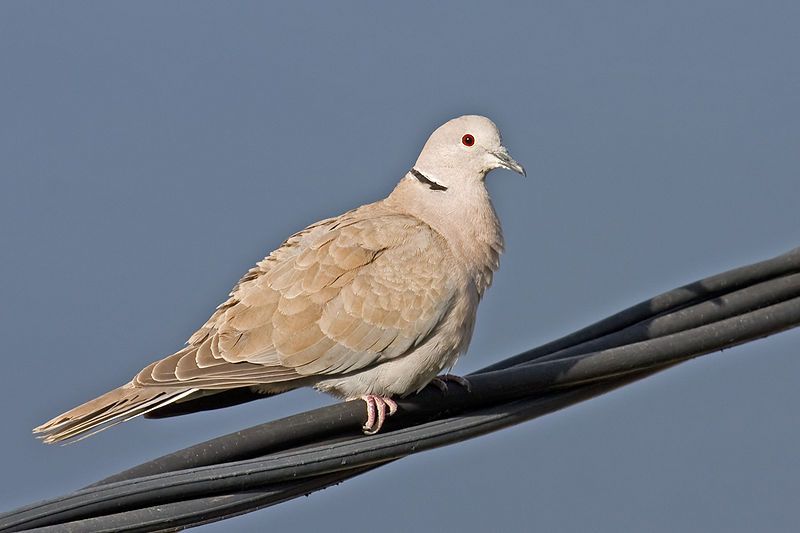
377,407
440,382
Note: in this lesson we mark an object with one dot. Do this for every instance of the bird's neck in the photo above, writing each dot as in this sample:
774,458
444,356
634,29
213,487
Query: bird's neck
464,216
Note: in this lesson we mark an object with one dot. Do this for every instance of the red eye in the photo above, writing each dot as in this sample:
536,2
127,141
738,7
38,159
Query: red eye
467,140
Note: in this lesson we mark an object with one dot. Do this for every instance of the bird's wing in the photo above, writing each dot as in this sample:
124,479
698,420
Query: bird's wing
339,296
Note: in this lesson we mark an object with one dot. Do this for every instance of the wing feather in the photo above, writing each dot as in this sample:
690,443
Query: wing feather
339,296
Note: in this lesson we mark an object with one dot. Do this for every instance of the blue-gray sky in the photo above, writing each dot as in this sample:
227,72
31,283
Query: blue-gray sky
151,152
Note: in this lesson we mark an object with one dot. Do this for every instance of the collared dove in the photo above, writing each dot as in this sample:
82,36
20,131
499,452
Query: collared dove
372,304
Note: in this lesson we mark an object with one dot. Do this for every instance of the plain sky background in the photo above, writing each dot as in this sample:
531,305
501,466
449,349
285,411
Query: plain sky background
151,152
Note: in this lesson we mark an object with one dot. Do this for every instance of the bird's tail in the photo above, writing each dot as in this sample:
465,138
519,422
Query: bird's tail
107,410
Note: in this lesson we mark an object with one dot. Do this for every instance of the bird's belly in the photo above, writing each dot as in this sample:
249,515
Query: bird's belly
397,377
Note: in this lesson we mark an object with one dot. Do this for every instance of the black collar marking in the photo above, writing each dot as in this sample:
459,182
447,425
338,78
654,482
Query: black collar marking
424,179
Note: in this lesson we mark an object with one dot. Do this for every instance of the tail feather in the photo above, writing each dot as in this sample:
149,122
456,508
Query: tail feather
113,407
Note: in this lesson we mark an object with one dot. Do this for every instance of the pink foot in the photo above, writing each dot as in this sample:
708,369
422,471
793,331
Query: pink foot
440,382
377,407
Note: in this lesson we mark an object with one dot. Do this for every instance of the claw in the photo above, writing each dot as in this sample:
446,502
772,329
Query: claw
440,382
377,407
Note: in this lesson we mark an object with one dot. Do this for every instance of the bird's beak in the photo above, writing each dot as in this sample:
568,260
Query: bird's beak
506,161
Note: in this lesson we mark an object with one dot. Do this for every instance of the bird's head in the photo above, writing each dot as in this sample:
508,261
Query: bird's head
464,148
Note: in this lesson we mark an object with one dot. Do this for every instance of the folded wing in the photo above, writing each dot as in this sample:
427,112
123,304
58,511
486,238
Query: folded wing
340,296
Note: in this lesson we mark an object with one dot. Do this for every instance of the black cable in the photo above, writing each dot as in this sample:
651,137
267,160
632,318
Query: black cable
306,451
197,511
362,451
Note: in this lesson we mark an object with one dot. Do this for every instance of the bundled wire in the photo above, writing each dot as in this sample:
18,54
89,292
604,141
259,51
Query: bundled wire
280,460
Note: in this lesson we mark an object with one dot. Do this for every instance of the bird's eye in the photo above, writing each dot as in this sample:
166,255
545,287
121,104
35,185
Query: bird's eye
467,140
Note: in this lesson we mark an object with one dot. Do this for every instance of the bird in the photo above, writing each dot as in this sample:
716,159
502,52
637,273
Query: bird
372,304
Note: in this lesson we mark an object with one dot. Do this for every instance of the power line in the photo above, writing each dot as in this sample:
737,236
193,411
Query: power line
280,460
